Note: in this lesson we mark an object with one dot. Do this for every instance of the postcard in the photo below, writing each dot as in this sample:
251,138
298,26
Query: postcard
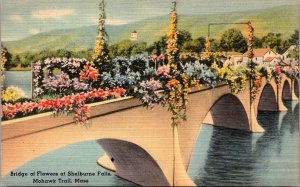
150,93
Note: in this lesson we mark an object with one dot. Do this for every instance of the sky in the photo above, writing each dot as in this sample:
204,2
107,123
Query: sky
23,18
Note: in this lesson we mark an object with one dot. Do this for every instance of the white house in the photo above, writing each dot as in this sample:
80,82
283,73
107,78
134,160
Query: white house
264,56
235,57
286,60
134,36
287,52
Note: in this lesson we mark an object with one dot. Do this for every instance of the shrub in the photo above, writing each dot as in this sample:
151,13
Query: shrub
12,94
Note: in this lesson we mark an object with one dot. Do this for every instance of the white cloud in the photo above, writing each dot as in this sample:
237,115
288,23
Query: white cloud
34,31
52,13
16,18
111,21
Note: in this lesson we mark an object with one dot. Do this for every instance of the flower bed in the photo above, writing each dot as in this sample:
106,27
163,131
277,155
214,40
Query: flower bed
64,80
75,103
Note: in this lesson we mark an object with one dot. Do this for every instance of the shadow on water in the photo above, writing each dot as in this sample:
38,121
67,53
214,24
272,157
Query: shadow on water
237,158
222,166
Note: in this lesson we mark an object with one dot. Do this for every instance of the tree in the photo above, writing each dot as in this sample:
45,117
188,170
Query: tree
14,62
202,43
192,46
233,40
294,38
158,47
84,54
214,45
257,43
273,41
182,37
294,54
8,56
127,48
138,48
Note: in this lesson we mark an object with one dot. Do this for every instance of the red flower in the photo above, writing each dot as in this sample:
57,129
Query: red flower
75,103
277,70
258,82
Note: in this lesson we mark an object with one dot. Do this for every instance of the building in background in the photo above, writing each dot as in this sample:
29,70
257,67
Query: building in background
134,36
264,56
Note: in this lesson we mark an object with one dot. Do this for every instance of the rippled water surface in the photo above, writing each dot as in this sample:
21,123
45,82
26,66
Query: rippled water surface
221,156
231,157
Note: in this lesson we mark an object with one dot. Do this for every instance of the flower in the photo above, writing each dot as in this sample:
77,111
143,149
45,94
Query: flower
44,78
13,93
147,92
75,103
258,82
277,70
172,83
163,71
88,73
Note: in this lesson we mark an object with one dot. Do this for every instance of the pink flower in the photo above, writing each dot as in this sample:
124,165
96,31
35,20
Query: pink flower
161,57
164,71
277,70
75,103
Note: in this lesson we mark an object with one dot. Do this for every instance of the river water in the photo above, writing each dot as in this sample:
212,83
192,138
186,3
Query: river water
221,156
21,79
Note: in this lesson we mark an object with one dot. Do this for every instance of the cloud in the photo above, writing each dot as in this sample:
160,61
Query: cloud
34,31
16,18
111,21
55,14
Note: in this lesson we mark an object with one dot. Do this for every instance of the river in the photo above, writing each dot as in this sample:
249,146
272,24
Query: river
221,156
21,79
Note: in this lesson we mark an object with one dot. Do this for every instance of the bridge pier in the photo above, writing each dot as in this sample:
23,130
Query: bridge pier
294,84
281,106
131,162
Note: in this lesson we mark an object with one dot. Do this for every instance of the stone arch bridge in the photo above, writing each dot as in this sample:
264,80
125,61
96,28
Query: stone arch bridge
140,144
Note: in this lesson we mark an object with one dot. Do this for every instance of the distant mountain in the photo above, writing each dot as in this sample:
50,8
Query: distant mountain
282,19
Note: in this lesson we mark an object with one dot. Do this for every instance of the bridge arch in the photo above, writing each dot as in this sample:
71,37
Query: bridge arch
228,107
133,162
286,90
268,99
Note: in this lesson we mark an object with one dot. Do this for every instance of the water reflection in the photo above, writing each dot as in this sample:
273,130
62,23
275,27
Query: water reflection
222,163
237,158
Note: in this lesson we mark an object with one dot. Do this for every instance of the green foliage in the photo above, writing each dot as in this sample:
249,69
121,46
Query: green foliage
294,38
273,41
158,47
233,40
20,100
127,48
192,46
183,37
294,54
214,45
257,43
202,43
8,57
